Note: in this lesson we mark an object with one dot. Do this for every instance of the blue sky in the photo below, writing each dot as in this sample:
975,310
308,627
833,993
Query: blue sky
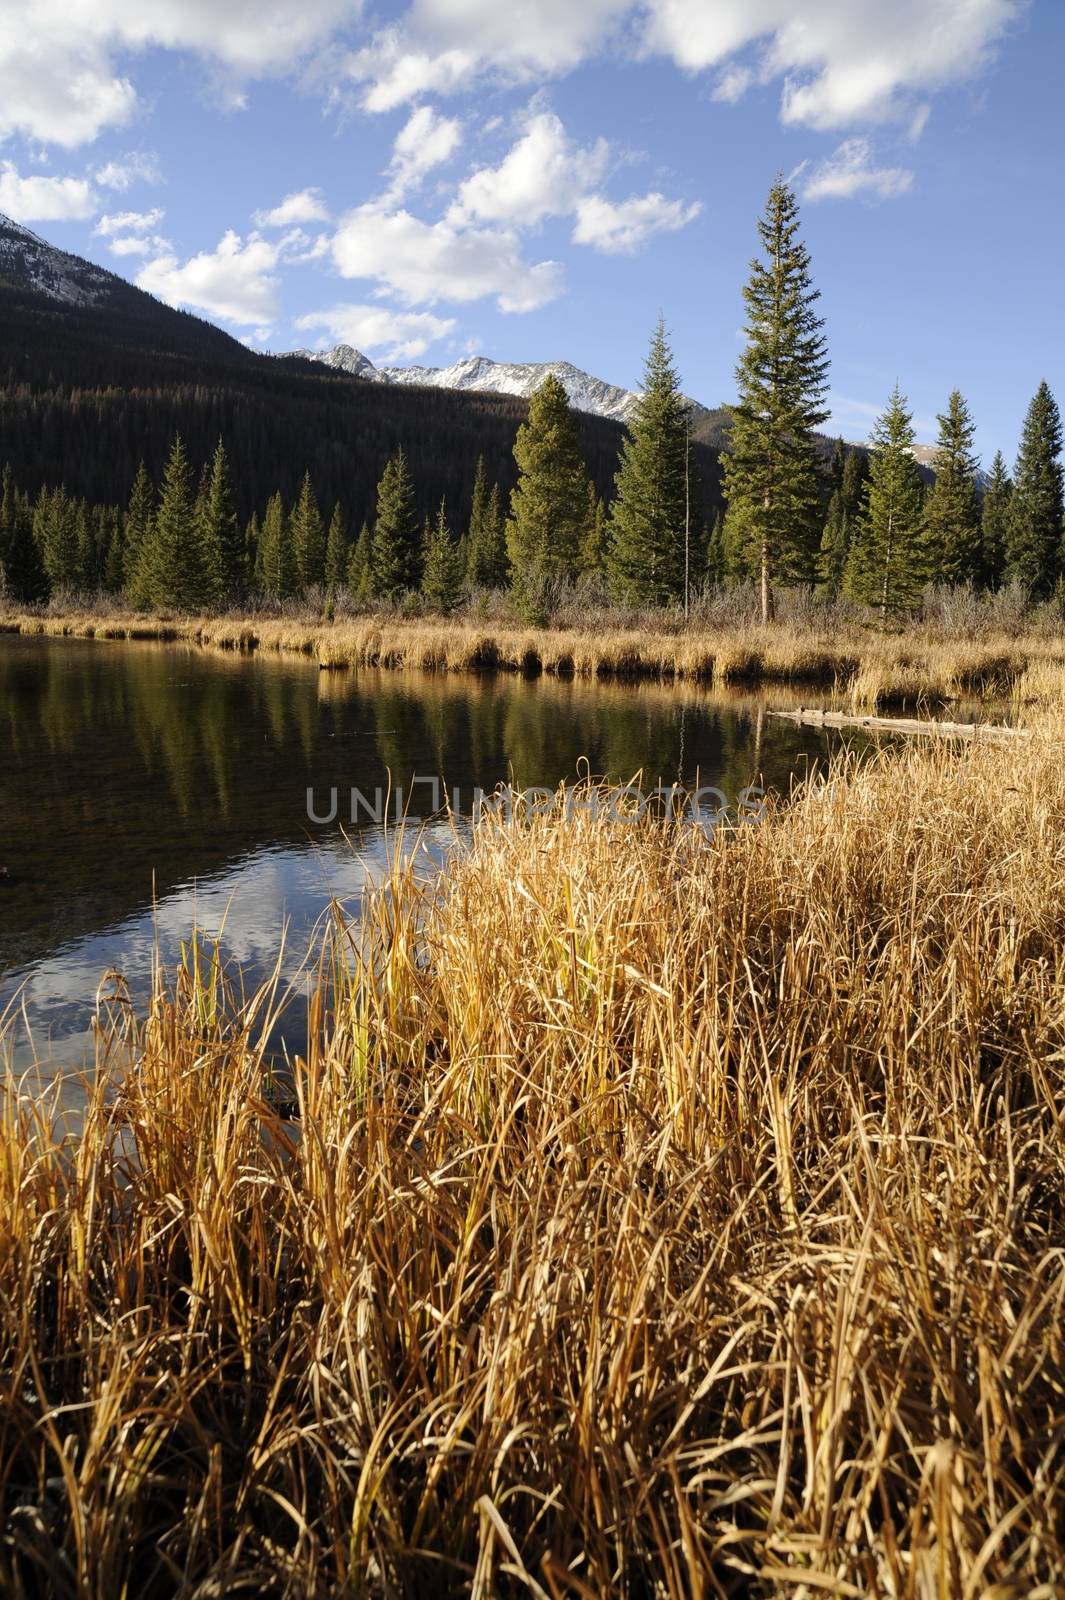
538,180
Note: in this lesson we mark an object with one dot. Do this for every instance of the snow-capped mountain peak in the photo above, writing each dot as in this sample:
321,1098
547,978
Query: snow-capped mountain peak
477,372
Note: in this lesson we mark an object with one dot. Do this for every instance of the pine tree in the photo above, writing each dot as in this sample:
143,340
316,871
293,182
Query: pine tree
115,551
57,531
549,505
223,569
771,471
593,550
714,557
360,581
277,567
886,565
495,560
308,539
486,545
139,514
1033,539
394,553
442,578
251,551
952,508
22,574
477,537
336,552
645,550
848,473
170,573
994,523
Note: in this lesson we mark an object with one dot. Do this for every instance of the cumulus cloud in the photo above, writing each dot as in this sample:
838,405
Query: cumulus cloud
839,61
443,46
425,141
849,171
543,175
129,222
236,281
305,205
397,335
620,227
58,75
41,199
422,263
137,167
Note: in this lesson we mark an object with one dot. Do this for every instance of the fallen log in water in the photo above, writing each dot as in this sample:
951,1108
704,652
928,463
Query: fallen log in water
813,718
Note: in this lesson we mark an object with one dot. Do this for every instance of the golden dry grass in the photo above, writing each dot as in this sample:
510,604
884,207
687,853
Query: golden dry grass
664,1217
872,669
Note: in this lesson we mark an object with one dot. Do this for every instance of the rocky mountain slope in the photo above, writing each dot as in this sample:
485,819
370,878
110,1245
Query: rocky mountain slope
478,373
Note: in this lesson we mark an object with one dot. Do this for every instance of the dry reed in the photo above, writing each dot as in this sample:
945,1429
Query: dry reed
925,665
664,1216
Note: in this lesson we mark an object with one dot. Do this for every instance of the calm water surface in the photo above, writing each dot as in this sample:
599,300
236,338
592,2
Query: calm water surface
146,788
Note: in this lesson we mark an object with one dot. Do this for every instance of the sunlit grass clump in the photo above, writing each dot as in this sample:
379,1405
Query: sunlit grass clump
921,664
663,1215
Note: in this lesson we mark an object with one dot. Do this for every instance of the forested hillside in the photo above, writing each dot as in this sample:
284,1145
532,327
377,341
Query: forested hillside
86,392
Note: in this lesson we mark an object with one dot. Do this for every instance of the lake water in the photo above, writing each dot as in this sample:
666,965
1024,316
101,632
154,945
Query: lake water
147,788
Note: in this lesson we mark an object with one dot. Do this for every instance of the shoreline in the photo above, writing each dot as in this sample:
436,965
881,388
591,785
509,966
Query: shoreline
868,669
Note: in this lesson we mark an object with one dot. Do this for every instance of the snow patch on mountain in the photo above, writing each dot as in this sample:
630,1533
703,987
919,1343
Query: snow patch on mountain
29,262
479,373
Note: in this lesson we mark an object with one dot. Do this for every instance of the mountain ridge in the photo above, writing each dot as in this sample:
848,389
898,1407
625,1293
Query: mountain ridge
488,376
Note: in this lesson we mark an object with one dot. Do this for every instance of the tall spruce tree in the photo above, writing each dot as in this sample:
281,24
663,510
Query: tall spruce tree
170,564
22,574
395,557
277,565
844,508
994,523
360,581
1034,534
336,551
772,477
57,530
593,550
952,507
645,547
139,514
442,578
308,539
486,544
222,553
548,509
886,563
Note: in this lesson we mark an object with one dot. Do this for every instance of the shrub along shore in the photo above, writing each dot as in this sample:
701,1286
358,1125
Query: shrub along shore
921,665
661,1214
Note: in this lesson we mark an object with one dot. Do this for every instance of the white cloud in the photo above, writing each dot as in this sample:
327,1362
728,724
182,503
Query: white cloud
132,244
398,335
841,61
137,167
444,45
848,171
543,175
58,75
305,205
425,141
623,226
38,199
236,281
425,262
129,222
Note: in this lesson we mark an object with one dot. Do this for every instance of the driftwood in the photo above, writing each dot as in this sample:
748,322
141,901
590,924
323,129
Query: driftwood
812,718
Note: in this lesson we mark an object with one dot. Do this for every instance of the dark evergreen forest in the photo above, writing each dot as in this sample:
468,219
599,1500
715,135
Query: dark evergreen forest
87,392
